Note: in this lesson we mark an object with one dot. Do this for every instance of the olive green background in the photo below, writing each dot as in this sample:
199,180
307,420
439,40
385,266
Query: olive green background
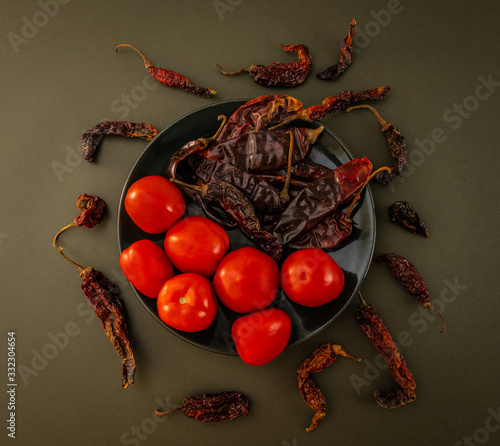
60,76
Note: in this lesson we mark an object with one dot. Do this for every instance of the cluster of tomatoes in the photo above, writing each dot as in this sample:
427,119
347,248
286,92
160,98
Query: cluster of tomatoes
246,280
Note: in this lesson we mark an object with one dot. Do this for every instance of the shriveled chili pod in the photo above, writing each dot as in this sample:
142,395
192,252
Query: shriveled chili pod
92,214
321,358
345,58
279,74
403,214
223,406
93,137
171,78
377,332
397,146
238,207
408,276
104,296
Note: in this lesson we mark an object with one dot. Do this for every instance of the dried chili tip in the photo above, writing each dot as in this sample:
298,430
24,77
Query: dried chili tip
171,78
403,214
93,137
279,74
92,214
407,275
345,58
104,296
223,406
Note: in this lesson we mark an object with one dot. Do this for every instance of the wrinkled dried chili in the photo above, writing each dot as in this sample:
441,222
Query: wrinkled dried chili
104,296
237,206
321,358
93,137
345,58
397,146
408,276
403,214
377,332
223,406
92,214
320,198
171,78
280,74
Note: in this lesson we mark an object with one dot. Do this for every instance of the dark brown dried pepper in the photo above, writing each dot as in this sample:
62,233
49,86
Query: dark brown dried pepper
92,214
377,332
104,296
171,78
408,276
403,214
321,358
397,146
280,74
223,406
345,58
93,137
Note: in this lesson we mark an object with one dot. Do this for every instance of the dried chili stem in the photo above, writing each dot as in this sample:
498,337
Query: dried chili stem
382,121
207,141
82,270
160,413
60,231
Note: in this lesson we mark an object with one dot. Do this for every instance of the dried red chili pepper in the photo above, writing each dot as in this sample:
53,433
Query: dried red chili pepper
280,74
345,58
321,358
264,150
403,214
377,332
92,214
104,296
171,78
408,276
93,137
397,145
223,406
320,199
238,207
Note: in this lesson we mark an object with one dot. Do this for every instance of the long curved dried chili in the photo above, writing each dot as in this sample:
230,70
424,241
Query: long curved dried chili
320,198
171,78
238,207
104,296
93,137
345,58
223,406
408,276
280,74
377,332
397,146
92,214
403,214
321,358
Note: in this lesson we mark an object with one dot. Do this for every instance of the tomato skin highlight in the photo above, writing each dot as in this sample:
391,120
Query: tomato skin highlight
154,204
310,277
246,280
261,336
187,302
146,266
196,245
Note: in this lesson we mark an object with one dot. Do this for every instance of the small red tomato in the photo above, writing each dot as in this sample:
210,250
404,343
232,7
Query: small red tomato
196,245
246,280
187,302
146,266
311,277
154,204
261,336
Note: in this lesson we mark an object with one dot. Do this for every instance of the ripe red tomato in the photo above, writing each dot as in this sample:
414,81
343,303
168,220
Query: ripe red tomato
187,302
196,245
146,266
311,277
246,280
154,204
261,336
